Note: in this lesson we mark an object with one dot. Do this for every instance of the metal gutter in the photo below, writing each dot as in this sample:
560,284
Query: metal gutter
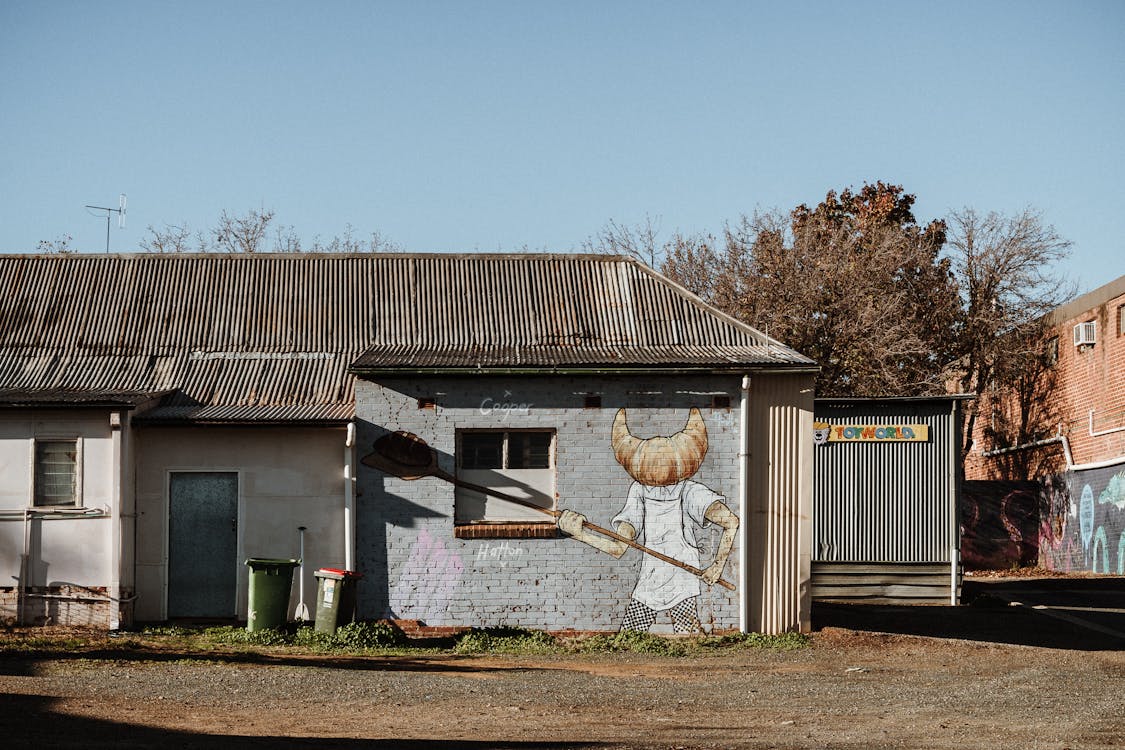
1070,465
841,400
743,501
349,497
247,423
1035,444
955,509
472,371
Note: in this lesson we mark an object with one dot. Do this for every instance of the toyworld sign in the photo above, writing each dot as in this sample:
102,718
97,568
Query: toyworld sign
870,433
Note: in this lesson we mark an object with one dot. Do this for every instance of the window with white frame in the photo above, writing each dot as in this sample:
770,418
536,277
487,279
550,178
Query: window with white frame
517,463
57,478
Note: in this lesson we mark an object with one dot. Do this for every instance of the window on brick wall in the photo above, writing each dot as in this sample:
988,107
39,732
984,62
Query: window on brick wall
517,463
1051,351
1121,320
56,473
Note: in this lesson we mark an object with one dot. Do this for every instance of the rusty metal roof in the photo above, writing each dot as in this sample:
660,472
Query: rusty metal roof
235,337
61,397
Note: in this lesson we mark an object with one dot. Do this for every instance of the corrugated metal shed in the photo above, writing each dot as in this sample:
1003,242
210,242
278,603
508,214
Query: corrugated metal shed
885,513
271,337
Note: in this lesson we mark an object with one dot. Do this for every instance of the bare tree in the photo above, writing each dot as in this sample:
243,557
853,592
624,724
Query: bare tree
1005,267
286,240
251,233
1017,408
60,245
640,242
349,243
172,239
242,234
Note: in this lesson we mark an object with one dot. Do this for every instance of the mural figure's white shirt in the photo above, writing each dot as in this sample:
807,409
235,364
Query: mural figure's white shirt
667,519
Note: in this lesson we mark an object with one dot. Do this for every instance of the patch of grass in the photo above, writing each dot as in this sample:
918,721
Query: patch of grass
781,642
355,636
234,636
385,638
174,631
43,643
634,642
506,641
365,635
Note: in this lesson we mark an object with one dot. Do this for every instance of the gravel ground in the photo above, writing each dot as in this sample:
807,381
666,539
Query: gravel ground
849,690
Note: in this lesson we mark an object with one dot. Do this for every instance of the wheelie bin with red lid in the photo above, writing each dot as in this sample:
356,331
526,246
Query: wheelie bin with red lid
335,598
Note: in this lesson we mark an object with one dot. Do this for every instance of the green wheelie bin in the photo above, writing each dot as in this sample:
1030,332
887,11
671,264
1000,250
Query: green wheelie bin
335,598
270,581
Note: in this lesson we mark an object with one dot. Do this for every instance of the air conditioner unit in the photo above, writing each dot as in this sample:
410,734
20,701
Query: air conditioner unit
1086,333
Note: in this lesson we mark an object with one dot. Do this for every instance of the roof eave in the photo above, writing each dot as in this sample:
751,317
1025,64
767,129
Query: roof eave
724,369
174,422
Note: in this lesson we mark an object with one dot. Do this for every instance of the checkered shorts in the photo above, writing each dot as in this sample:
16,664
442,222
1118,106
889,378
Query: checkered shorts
640,617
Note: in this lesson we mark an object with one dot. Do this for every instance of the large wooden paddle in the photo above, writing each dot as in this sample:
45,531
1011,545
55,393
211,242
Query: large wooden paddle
407,456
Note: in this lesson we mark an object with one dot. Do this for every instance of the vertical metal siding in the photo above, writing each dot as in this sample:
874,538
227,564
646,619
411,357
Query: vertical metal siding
779,503
885,502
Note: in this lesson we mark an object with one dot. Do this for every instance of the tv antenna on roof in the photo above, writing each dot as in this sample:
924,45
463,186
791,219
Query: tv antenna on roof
120,211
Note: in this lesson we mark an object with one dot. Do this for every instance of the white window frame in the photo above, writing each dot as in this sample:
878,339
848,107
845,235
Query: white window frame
78,463
522,516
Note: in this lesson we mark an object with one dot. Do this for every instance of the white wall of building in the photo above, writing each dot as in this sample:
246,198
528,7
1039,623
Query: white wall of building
61,550
288,477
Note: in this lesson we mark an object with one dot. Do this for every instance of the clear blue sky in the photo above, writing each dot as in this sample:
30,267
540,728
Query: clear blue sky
490,126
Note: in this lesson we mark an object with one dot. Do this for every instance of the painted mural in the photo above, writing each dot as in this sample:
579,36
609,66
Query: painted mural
666,508
999,524
1083,523
666,516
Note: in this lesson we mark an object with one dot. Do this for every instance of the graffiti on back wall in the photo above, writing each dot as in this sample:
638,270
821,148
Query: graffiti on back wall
1074,522
428,580
1083,525
669,511
999,524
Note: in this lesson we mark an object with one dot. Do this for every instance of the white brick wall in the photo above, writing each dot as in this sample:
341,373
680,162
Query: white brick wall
416,569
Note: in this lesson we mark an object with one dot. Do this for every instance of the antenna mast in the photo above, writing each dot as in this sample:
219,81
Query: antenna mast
120,211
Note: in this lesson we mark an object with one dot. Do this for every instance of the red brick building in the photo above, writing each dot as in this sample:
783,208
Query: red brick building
1063,428
1072,413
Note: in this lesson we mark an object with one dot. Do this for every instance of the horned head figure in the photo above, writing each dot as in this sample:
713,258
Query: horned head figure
660,461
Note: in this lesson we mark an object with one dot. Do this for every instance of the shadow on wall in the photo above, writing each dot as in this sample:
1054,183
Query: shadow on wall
376,508
435,566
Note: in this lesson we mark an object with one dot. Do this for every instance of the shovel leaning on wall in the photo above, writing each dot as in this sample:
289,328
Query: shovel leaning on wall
302,612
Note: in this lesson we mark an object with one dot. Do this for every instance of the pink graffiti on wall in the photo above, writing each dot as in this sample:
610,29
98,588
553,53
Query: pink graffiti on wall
428,580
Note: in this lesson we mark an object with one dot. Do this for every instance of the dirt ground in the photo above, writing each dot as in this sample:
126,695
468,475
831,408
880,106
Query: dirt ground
1012,676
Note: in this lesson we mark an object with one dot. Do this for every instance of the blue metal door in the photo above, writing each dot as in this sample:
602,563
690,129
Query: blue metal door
202,544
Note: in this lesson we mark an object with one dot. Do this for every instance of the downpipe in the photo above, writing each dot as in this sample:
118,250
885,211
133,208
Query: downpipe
743,501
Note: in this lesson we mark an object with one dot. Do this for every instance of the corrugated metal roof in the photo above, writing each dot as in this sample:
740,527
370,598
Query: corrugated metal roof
236,414
281,330
12,397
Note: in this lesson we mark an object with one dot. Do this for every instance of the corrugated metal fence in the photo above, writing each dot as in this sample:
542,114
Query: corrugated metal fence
885,522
